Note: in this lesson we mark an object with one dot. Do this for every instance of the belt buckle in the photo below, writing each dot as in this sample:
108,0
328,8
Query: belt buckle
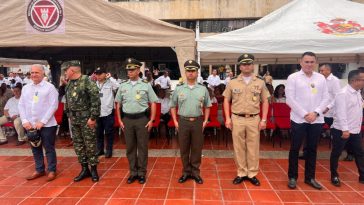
191,119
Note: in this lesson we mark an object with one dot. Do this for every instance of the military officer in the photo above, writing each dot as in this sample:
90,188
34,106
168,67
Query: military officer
105,123
246,92
190,98
135,119
83,108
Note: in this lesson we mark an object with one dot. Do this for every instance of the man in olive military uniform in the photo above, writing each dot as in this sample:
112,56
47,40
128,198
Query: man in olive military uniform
190,98
133,97
246,92
83,108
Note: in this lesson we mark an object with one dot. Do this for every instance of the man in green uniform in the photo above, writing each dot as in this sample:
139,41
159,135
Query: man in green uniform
83,108
190,98
133,97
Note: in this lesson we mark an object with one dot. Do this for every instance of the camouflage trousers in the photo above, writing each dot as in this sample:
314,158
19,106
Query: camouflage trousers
84,142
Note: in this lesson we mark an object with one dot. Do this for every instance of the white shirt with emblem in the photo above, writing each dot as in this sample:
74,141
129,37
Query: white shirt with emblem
333,86
348,110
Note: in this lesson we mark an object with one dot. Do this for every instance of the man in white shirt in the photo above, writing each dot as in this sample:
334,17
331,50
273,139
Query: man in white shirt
27,79
164,81
37,105
105,123
230,75
164,101
213,80
348,117
3,80
307,96
11,114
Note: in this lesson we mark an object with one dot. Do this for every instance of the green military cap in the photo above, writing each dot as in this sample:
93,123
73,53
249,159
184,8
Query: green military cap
132,63
191,65
65,65
246,58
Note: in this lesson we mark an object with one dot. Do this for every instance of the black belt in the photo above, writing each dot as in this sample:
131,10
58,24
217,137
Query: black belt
134,115
191,119
246,115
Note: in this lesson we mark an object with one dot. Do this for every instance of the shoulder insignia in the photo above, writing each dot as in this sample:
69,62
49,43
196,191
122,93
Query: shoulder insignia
259,77
235,77
124,81
179,84
145,81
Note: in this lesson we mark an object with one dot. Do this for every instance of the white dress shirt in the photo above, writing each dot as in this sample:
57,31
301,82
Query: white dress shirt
306,94
348,110
213,80
107,96
12,106
38,103
164,82
227,80
27,81
333,86
164,105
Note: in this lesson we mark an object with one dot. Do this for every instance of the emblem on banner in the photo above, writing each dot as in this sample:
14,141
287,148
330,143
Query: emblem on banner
45,15
340,27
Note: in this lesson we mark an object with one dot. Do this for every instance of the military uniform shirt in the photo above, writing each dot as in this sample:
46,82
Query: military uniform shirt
135,98
83,95
245,97
190,101
107,96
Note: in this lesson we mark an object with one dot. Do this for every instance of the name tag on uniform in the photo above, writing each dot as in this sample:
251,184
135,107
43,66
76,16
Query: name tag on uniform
101,95
35,99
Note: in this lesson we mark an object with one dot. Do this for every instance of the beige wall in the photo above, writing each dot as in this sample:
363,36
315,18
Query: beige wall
205,9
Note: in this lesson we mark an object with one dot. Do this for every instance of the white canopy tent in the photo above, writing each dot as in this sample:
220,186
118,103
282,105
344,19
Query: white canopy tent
333,29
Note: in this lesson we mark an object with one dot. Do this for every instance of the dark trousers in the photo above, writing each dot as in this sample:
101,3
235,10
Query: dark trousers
136,138
105,127
190,140
354,144
48,137
312,134
166,117
328,121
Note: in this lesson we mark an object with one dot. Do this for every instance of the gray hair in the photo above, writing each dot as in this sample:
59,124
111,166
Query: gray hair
39,66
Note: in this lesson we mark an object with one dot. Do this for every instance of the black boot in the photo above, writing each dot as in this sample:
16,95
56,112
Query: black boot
85,172
94,175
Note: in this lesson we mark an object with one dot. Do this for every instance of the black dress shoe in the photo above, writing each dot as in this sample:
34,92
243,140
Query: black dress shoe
313,183
349,158
183,178
101,152
131,179
19,143
108,154
141,179
238,180
254,181
292,183
198,179
302,157
335,181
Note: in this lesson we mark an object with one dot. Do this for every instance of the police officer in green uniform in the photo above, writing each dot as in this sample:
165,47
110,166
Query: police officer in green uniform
190,98
83,108
133,97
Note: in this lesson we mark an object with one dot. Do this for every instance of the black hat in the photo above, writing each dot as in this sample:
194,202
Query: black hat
65,65
132,63
246,58
191,65
100,70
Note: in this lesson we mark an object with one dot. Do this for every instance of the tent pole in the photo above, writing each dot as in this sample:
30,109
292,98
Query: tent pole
198,38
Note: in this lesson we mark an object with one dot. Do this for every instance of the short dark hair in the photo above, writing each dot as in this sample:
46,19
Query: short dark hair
353,75
361,69
327,65
308,53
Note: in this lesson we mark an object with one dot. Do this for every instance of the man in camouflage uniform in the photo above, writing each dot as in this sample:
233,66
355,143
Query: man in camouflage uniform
83,108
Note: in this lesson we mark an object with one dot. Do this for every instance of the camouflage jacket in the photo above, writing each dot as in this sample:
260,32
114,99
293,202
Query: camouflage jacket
82,96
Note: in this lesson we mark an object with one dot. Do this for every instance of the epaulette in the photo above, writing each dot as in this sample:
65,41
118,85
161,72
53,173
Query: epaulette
124,81
145,81
259,77
179,84
200,83
235,77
